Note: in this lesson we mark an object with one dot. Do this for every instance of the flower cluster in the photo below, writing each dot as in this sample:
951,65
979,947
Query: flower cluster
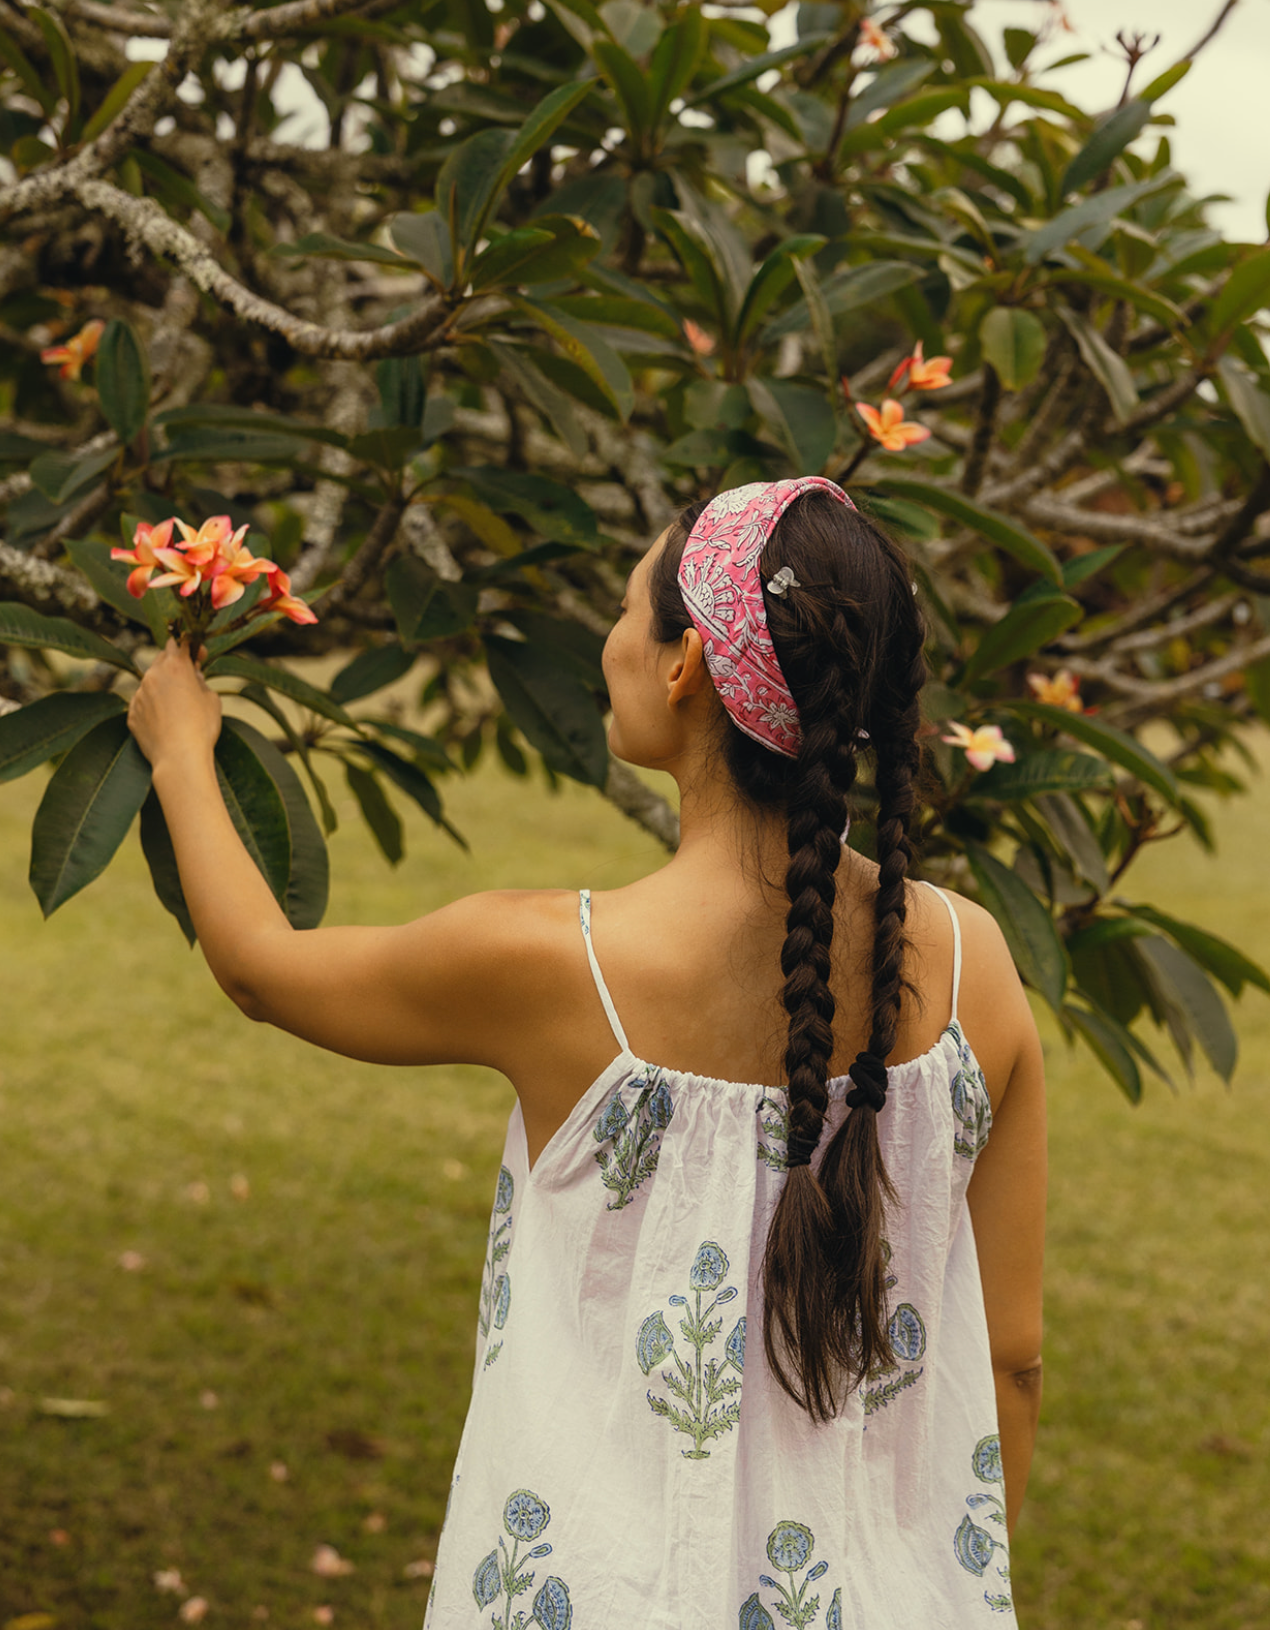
212,558
887,424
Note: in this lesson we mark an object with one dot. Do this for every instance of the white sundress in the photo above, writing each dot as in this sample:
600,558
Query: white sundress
628,1459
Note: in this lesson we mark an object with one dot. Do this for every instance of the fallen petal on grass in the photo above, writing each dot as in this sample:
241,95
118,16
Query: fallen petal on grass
239,1186
194,1611
170,1579
324,1615
209,1399
329,1564
278,1471
131,1261
199,1193
260,1612
375,1522
422,1569
74,1409
59,1536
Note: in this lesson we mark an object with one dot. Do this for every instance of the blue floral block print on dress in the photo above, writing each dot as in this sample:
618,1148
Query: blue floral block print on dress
790,1548
502,1576
971,1105
974,1547
703,1402
907,1332
773,1142
496,1284
630,1138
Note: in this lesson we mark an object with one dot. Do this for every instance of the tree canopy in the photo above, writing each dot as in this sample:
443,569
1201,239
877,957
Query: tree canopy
559,269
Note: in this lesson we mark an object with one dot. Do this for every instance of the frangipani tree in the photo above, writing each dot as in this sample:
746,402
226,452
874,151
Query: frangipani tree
558,269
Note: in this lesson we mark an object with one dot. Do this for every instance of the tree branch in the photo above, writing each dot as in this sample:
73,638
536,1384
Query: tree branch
644,806
351,580
985,427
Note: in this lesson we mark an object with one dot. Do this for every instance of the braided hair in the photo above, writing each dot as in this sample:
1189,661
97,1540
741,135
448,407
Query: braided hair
850,645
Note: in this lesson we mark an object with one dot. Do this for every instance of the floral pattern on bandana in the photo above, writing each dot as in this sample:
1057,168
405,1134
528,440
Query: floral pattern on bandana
723,594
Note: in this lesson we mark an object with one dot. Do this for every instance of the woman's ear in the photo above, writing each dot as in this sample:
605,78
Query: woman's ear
688,674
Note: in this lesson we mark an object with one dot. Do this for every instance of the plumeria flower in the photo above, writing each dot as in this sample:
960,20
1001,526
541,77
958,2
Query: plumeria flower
983,747
77,350
928,376
873,39
1058,690
281,599
890,427
701,342
147,541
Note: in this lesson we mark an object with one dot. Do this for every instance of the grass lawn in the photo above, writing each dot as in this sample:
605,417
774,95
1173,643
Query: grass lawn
262,1262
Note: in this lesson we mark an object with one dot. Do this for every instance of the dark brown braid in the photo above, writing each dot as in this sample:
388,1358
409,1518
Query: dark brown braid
850,646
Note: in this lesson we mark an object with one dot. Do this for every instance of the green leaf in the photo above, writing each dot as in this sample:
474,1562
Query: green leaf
847,290
1166,81
1014,343
629,84
801,417
280,680
379,815
772,279
387,448
1218,956
156,846
1028,550
108,577
266,703
308,874
1244,292
889,84
87,808
674,61
1252,406
696,257
371,670
256,808
1046,770
402,390
1111,1044
549,508
32,80
544,393
425,239
1109,368
584,344
61,476
65,68
1022,631
1072,832
755,67
428,748
41,730
112,104
541,125
19,625
261,426
920,110
1106,144
1116,745
570,244
123,380
1080,567
550,708
1028,928
413,782
322,246
468,183
1185,984
1090,215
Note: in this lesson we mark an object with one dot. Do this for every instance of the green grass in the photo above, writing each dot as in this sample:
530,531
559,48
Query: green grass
339,1296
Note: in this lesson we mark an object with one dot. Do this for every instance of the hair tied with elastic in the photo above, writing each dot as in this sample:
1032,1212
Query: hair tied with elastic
783,580
869,1075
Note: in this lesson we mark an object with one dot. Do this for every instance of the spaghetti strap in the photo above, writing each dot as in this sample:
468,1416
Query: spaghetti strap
584,917
956,928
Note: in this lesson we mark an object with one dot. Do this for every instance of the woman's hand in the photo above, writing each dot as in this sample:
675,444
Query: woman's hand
174,711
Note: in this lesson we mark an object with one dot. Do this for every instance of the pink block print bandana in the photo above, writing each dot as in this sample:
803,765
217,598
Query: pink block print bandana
723,593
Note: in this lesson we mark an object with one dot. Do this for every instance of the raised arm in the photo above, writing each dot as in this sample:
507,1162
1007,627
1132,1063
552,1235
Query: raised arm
1007,1192
447,988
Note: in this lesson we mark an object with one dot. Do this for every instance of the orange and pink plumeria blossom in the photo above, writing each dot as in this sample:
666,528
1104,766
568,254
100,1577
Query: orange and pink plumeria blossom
77,350
215,555
1058,690
281,599
701,342
921,374
147,541
890,427
871,36
983,747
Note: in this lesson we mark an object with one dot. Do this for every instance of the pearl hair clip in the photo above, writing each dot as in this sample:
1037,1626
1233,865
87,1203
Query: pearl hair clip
783,580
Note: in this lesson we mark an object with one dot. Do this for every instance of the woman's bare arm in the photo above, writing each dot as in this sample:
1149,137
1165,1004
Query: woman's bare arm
1007,1192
